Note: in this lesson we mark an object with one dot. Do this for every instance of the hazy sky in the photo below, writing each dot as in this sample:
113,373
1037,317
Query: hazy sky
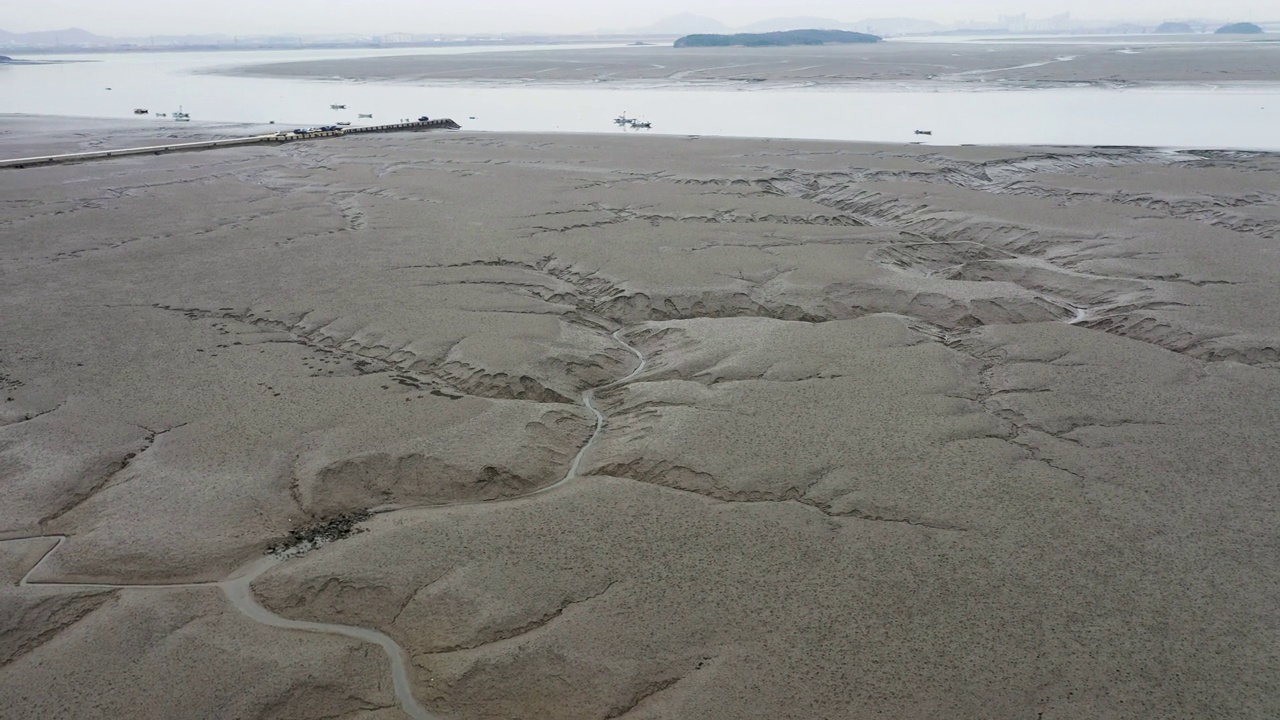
142,17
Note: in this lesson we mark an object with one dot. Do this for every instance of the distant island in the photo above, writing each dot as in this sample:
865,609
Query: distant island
1243,28
776,39
1175,28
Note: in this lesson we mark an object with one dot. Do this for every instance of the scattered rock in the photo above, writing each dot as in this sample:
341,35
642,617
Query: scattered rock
323,532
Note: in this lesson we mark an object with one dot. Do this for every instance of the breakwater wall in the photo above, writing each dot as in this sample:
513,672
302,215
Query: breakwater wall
287,136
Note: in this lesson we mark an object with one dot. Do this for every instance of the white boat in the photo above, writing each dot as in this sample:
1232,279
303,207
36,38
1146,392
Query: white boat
181,116
623,120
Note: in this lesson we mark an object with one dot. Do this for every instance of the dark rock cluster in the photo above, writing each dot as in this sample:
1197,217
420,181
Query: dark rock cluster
321,532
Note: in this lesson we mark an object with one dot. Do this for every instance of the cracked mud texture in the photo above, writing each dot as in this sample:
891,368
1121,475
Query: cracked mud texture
924,432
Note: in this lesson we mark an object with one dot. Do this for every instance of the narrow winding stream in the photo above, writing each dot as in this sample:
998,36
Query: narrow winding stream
238,586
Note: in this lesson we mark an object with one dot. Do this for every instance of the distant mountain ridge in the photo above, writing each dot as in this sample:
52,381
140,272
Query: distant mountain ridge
684,24
794,23
69,36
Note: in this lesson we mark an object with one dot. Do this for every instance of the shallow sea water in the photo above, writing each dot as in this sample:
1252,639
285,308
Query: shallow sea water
1229,116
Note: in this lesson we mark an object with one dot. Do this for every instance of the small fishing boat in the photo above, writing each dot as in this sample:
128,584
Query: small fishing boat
639,125
366,115
342,124
140,111
623,120
181,116
337,107
924,132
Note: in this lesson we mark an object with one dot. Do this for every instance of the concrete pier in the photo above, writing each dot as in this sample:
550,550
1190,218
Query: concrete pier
442,124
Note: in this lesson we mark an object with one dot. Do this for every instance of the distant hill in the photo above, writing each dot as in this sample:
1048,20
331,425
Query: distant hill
683,24
70,36
783,24
772,39
688,24
1175,28
1243,28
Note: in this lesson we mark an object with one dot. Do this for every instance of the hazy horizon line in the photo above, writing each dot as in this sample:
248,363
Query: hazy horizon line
952,24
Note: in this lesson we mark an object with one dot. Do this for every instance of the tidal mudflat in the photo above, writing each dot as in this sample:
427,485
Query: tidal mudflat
591,427
973,65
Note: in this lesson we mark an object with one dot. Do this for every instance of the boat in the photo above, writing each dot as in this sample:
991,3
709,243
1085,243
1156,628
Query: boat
181,116
342,124
366,115
337,107
641,125
140,111
623,120
924,132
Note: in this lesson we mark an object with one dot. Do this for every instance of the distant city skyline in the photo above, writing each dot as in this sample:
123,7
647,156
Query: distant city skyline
368,17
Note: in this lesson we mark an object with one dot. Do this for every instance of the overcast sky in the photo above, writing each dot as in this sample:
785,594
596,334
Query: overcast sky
143,17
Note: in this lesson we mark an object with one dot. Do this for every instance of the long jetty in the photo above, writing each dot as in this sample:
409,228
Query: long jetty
441,124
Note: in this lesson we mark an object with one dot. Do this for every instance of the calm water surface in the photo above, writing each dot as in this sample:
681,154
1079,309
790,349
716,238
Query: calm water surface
1187,116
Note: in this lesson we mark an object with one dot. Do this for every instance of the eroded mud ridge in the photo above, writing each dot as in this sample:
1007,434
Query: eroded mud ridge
597,427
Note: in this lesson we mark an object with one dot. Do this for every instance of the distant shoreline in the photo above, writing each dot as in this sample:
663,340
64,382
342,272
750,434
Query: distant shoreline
247,47
22,61
122,132
788,38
